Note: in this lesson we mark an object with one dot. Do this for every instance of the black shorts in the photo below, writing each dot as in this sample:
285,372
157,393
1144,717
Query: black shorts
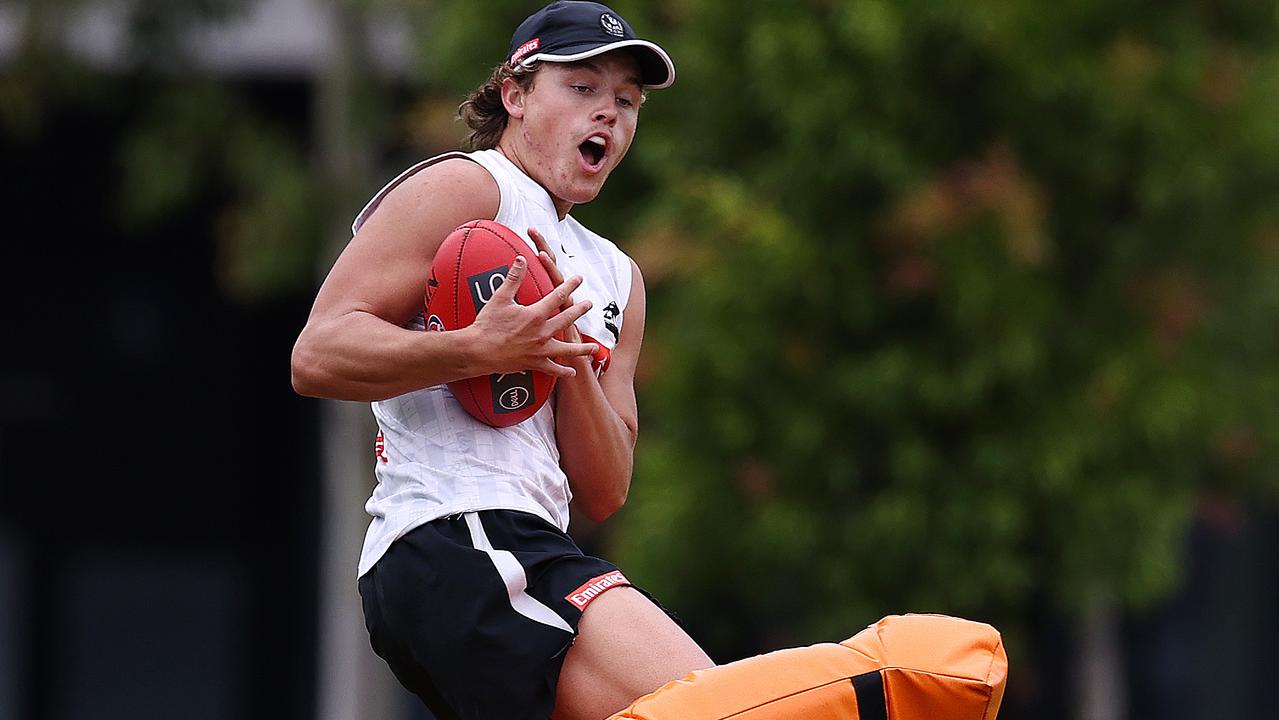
474,613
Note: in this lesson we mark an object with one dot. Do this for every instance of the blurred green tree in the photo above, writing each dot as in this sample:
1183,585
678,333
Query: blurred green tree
189,134
954,307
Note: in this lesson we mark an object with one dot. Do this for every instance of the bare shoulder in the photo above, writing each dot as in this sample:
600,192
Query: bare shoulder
632,335
452,191
637,296
384,268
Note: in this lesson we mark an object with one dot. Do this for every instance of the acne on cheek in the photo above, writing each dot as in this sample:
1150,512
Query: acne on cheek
529,139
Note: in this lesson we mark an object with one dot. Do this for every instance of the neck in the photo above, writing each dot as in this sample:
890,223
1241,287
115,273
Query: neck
509,149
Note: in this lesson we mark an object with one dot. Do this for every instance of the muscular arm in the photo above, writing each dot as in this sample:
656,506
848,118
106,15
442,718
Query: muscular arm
597,421
354,347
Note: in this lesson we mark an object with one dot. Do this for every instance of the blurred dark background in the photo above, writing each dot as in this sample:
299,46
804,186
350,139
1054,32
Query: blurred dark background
954,307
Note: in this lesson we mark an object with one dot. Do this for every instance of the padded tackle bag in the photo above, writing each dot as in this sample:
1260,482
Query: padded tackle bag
904,667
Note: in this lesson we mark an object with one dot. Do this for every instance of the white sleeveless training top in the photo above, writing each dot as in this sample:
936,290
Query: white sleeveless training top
432,458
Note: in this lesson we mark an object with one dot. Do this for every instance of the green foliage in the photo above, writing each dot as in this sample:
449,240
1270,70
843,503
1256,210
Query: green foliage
198,138
954,307
189,139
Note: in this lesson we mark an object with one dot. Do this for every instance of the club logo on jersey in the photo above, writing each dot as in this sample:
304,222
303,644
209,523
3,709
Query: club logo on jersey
434,324
525,49
612,25
611,312
595,587
511,391
484,284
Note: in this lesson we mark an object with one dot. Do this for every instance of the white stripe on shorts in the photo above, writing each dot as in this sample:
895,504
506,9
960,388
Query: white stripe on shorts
512,573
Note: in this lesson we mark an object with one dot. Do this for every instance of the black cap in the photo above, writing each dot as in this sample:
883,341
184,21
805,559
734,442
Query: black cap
566,31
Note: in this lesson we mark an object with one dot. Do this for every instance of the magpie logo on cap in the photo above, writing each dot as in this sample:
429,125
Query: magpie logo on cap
571,30
612,25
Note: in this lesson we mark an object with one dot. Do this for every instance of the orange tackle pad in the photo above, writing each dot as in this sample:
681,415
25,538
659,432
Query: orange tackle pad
904,667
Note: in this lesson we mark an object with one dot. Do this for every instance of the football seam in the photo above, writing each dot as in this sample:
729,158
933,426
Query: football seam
457,278
487,412
517,248
493,416
543,291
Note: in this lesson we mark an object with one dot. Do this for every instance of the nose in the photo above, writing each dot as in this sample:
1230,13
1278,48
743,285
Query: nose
606,112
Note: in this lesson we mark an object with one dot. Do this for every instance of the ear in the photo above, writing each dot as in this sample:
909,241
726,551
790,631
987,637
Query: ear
513,98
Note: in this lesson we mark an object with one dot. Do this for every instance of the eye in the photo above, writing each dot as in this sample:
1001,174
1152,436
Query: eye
582,89
626,102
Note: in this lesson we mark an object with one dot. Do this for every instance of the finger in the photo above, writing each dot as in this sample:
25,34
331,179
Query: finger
558,348
514,276
558,297
568,316
541,243
547,256
553,368
551,269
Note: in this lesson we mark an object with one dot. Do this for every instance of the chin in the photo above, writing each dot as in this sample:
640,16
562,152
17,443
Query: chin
580,194
577,187
584,197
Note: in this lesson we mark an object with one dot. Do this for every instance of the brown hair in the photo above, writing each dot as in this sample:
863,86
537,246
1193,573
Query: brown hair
483,111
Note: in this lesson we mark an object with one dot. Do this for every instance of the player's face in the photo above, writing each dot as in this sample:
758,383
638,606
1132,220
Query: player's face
577,124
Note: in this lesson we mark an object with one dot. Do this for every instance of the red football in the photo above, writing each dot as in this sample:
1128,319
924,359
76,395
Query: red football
469,266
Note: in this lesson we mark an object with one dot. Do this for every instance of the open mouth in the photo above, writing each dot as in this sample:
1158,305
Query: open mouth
593,151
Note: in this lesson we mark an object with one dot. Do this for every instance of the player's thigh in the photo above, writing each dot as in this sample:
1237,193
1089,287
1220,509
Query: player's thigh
626,647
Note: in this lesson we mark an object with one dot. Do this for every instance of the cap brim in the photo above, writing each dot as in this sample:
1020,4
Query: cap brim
656,69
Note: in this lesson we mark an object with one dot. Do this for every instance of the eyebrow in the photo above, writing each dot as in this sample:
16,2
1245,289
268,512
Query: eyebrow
593,66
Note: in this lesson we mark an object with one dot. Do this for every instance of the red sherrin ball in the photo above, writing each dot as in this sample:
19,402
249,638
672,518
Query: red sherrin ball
470,265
